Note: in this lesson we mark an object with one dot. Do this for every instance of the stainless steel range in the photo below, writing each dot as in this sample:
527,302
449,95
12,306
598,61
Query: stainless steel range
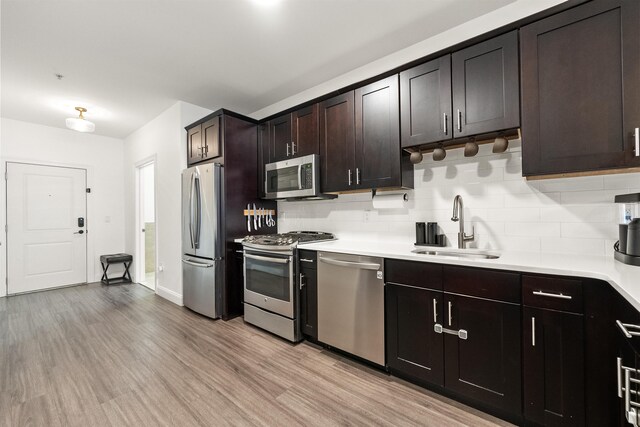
270,294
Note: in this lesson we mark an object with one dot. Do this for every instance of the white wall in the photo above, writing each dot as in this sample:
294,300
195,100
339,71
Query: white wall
568,215
165,139
101,156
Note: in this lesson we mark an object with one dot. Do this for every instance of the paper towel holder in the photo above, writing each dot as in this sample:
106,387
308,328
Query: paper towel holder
405,197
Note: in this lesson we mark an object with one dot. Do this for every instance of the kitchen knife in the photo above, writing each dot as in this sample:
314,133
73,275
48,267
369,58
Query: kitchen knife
249,217
255,217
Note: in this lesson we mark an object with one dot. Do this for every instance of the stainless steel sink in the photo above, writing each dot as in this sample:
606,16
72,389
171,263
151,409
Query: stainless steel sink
457,254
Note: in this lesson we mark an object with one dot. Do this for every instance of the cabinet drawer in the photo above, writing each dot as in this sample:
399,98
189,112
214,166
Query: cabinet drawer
308,259
490,284
554,293
418,274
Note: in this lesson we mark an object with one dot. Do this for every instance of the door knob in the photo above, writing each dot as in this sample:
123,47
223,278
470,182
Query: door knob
79,232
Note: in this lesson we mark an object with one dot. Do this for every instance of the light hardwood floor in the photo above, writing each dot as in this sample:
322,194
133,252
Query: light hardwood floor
120,355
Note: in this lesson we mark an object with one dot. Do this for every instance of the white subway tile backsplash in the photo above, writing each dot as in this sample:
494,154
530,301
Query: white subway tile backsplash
593,230
532,229
621,181
588,197
585,183
572,246
568,215
579,213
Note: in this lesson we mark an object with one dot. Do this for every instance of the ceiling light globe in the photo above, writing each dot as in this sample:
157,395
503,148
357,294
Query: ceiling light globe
80,125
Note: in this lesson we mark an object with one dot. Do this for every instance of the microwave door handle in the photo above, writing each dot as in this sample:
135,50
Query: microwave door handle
300,177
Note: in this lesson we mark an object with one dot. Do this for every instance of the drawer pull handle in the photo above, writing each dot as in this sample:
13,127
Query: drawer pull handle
547,294
624,327
306,260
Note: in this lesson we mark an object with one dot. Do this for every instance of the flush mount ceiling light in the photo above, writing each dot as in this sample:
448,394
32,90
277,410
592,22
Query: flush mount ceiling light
80,123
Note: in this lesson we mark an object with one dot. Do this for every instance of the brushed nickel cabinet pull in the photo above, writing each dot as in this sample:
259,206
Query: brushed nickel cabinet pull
450,317
637,138
435,311
547,294
459,120
533,332
444,123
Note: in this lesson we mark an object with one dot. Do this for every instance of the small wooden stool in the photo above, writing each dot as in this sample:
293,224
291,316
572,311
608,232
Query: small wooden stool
107,260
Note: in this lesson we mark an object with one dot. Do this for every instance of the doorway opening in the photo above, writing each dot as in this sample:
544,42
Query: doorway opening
146,262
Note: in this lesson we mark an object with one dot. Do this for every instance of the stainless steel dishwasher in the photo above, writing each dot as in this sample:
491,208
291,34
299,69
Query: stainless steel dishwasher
351,304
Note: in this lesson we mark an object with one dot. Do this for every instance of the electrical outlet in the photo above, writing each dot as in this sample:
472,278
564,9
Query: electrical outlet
367,216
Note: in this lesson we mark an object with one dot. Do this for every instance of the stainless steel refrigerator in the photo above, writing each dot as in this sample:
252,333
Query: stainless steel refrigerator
203,239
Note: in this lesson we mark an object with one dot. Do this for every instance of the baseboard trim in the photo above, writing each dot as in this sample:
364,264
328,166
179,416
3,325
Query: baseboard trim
170,295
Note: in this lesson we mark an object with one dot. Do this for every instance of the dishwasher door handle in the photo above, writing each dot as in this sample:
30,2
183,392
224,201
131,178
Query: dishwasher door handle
361,265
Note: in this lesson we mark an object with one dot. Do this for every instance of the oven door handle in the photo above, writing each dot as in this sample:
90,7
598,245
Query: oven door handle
268,259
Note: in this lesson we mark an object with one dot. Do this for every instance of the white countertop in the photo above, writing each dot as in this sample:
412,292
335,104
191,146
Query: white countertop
624,278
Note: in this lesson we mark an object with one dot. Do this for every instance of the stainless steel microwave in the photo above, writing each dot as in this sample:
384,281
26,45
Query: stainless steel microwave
293,178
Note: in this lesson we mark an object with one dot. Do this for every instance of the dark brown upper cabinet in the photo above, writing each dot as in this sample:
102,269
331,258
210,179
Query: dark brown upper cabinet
377,149
337,140
486,89
203,141
471,92
304,131
581,89
360,140
425,94
194,145
280,138
294,135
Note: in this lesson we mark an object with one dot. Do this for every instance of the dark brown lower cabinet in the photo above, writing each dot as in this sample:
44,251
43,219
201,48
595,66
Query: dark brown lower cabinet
308,283
413,347
553,358
485,363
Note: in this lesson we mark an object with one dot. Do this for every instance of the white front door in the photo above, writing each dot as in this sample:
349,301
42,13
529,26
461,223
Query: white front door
46,237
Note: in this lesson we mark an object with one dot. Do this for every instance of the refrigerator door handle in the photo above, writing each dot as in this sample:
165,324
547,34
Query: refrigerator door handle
196,182
191,210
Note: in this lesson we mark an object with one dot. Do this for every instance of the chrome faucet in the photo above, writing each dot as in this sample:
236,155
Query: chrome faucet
458,215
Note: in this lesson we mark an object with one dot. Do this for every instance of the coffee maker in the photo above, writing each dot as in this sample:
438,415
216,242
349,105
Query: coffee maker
627,249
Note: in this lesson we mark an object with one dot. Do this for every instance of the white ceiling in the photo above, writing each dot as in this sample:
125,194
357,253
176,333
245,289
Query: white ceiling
127,61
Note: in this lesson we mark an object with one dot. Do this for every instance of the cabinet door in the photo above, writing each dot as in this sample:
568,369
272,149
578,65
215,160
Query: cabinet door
337,140
211,141
280,137
580,89
308,283
304,126
263,156
413,347
553,358
377,153
194,144
486,365
486,86
425,103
